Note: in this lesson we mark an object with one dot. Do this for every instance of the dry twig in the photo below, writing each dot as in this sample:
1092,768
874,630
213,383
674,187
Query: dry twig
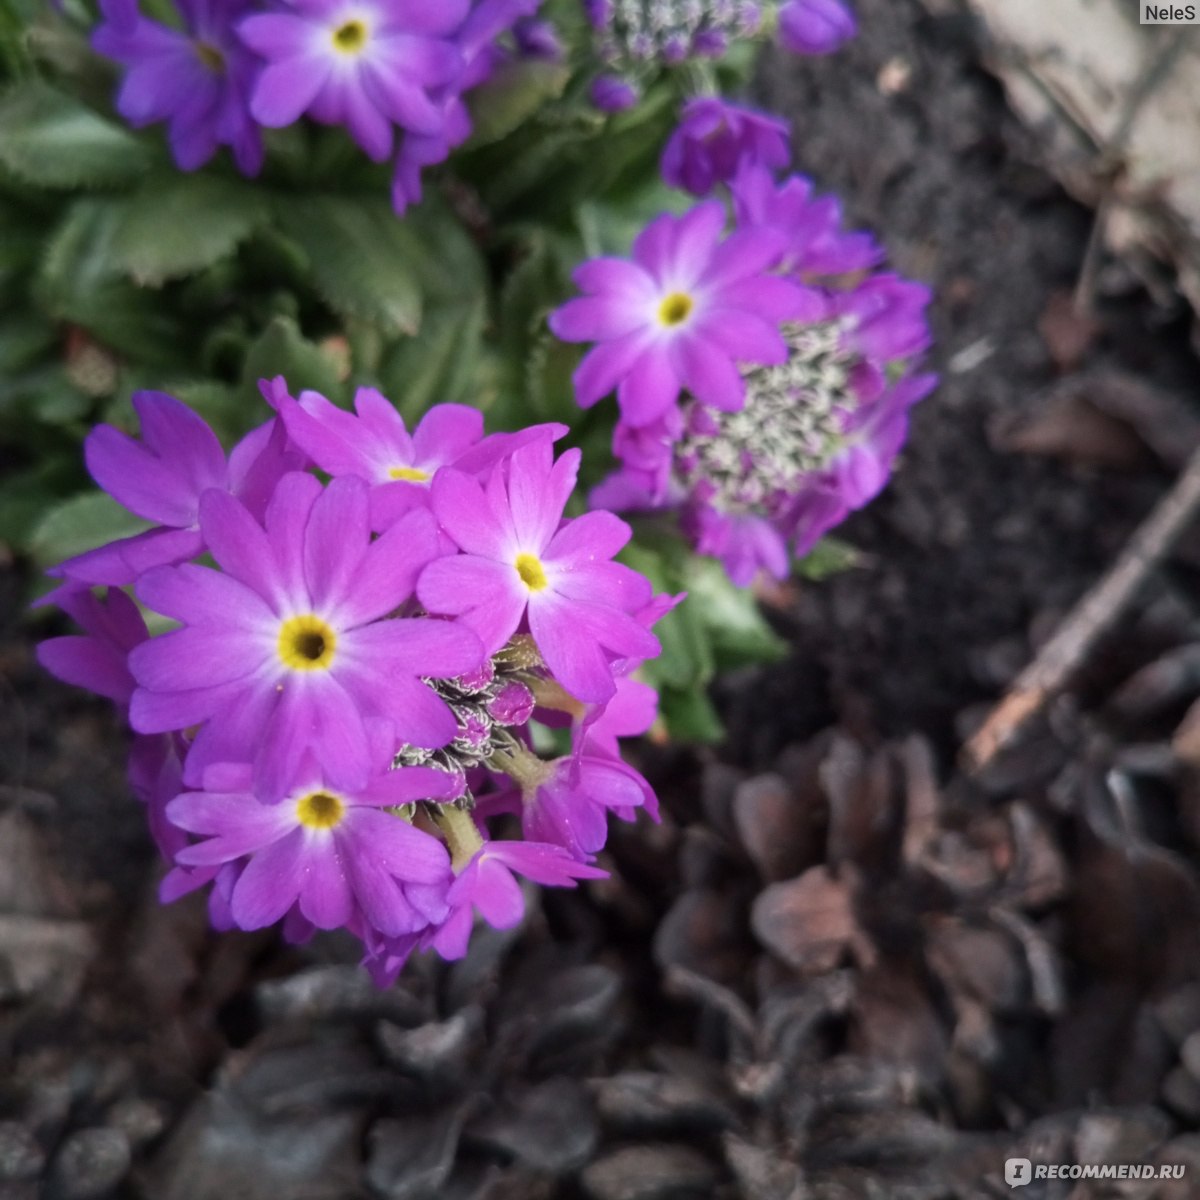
1092,616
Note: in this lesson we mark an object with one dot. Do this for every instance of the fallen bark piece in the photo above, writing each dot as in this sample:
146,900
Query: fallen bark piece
1118,106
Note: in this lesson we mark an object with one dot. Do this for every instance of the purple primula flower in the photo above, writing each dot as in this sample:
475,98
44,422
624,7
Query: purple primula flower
612,94
367,64
630,713
568,806
161,479
331,852
284,649
521,561
885,317
821,426
715,139
309,743
487,885
98,660
682,314
476,42
815,26
375,444
198,79
816,243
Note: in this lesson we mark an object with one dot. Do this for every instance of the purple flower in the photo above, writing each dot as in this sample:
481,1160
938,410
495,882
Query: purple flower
365,64
612,94
521,561
816,243
475,39
487,885
98,660
682,314
821,427
332,852
714,139
815,26
161,479
569,805
374,444
284,648
198,79
885,317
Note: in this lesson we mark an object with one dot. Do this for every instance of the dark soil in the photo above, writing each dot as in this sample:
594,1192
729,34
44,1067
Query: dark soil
839,968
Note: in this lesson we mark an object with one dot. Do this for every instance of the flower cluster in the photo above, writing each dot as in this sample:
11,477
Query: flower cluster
764,374
392,72
636,37
337,701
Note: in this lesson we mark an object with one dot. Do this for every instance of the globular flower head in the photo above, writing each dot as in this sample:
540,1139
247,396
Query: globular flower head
311,732
688,308
197,79
715,139
369,65
821,424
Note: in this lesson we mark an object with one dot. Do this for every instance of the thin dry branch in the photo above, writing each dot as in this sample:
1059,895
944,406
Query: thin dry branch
1091,617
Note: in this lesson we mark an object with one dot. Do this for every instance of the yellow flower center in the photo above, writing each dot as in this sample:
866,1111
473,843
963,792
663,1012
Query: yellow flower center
408,474
675,308
531,571
320,810
210,56
350,37
306,643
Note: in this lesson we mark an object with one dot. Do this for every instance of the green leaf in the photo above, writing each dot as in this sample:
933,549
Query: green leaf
360,258
283,350
176,224
81,523
25,338
50,139
828,557
738,631
512,95
78,282
439,366
689,716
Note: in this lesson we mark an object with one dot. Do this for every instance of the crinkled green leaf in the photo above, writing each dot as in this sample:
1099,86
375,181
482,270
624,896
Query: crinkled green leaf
81,523
79,282
360,260
283,350
51,139
512,95
175,224
439,365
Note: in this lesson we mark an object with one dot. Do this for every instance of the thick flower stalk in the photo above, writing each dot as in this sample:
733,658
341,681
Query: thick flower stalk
338,710
799,421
